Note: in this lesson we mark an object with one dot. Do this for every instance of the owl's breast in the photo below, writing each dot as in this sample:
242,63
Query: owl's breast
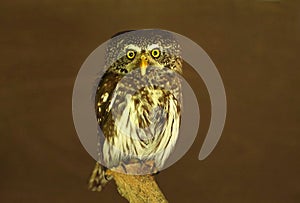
144,116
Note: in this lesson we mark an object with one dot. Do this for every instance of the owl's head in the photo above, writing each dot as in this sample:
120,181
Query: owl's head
142,49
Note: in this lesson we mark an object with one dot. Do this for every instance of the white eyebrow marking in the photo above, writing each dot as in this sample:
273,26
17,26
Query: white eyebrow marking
133,47
152,46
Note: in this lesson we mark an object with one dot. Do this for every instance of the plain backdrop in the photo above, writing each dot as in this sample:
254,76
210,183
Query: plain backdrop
255,45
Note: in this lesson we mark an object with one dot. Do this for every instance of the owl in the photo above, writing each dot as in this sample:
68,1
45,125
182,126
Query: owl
138,102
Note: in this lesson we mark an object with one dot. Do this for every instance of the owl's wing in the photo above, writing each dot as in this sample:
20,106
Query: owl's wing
103,99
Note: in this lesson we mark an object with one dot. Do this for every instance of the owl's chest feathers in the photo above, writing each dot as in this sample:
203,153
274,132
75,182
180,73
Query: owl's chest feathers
140,111
142,119
148,106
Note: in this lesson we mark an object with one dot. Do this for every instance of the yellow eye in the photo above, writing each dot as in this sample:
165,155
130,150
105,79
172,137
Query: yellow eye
130,54
155,53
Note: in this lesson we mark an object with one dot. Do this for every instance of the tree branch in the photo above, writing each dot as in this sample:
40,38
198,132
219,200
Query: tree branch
137,188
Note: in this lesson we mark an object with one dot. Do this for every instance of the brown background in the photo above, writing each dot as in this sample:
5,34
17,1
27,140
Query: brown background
254,44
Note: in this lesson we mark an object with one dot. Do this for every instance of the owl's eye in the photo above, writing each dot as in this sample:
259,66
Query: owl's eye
155,53
130,54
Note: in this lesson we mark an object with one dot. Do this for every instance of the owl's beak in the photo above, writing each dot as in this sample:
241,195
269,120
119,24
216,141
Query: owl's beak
144,64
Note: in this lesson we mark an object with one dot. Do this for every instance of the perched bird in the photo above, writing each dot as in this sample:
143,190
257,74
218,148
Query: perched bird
138,102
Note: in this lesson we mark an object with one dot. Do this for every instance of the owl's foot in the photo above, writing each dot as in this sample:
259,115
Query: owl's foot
151,166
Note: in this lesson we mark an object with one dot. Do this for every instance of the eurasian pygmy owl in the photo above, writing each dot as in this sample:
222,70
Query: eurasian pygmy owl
138,102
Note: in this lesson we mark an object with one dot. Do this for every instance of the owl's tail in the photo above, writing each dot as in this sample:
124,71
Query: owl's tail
98,178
